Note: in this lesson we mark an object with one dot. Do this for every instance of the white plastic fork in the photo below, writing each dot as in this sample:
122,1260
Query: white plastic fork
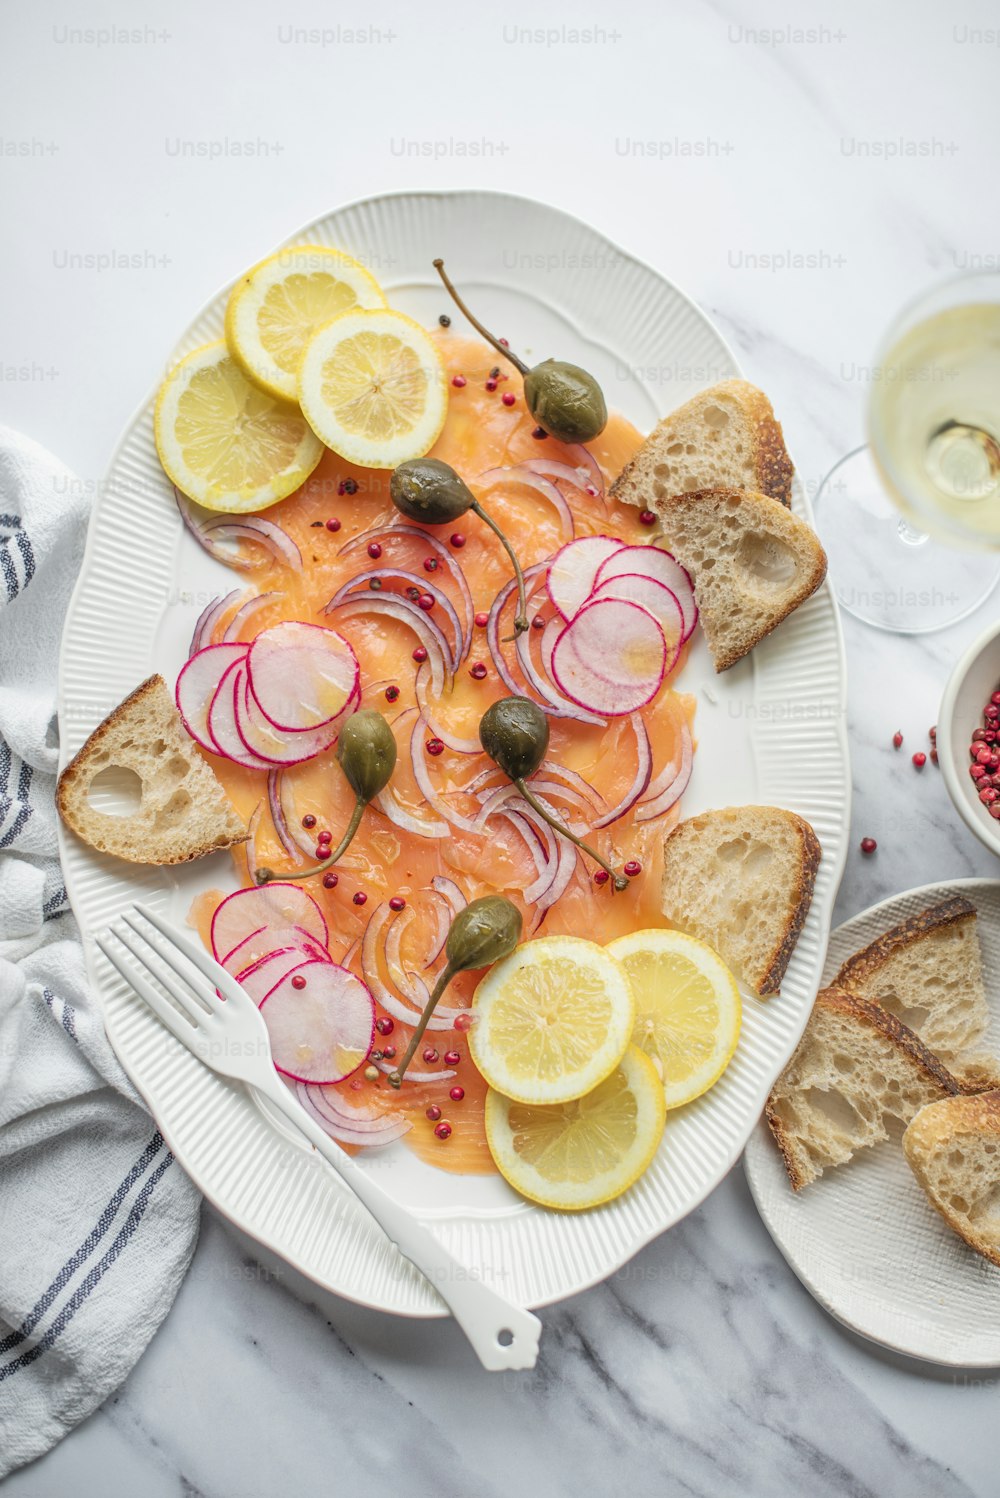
229,1036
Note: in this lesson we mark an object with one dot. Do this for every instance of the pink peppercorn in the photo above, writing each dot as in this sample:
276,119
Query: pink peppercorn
298,981
374,550
482,620
458,381
646,517
457,540
331,880
397,903
920,759
456,1094
433,1112
443,1130
452,1058
361,898
333,524
508,397
430,1055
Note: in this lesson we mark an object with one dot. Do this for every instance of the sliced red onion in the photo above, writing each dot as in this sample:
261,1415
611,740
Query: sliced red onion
380,532
575,779
577,453
521,473
495,798
359,583
346,1125
449,893
452,740
424,627
541,841
411,986
668,791
303,840
444,1075
207,621
279,819
479,781
564,473
565,868
640,781
245,613
250,846
254,528
372,943
421,773
406,820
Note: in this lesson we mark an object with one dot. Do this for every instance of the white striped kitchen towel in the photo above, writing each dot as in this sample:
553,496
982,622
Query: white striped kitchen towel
97,1221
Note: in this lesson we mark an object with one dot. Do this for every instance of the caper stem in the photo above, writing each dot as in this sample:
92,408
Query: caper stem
521,621
619,880
501,348
445,977
338,852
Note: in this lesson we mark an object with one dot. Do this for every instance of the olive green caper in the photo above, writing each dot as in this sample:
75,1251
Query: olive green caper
366,752
428,490
564,399
486,931
515,734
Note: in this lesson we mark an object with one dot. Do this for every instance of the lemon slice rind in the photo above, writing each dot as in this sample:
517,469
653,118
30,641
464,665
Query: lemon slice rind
552,1020
545,1152
225,443
675,1023
372,387
280,302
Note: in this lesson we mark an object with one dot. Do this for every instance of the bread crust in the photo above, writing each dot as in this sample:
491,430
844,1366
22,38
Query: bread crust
810,582
866,963
936,1125
773,468
862,1012
74,780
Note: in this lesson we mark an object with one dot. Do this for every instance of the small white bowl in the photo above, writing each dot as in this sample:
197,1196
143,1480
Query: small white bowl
970,685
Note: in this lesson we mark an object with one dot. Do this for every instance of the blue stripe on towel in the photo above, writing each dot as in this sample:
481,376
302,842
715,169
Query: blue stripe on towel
85,1288
86,1248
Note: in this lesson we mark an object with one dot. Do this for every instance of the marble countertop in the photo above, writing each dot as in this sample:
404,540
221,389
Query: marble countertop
801,170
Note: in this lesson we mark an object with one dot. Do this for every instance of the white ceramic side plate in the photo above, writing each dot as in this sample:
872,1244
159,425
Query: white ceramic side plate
863,1239
771,730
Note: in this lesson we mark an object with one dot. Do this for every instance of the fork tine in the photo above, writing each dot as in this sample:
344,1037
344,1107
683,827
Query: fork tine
218,978
208,1000
192,1009
165,1013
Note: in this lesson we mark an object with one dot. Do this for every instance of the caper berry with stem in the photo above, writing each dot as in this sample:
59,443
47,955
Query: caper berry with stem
366,752
515,734
564,399
429,491
481,934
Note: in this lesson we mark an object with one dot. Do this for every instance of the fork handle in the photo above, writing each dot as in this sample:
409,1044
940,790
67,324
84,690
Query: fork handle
503,1335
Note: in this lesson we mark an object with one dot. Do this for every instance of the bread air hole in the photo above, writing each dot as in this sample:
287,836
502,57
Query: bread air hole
832,1106
115,792
986,1206
168,816
766,561
716,418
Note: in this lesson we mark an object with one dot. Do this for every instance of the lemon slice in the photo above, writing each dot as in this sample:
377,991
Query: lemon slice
276,307
688,1009
223,442
551,1020
372,387
579,1154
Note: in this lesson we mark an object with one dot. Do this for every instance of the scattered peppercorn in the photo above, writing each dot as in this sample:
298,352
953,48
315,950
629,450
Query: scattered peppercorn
459,381
539,434
868,845
478,671
435,746
374,550
508,397
309,821
433,1112
331,880
420,654
897,740
350,486
333,524
298,981
443,1130
920,759
361,898
482,620
392,694
397,903
457,540
444,320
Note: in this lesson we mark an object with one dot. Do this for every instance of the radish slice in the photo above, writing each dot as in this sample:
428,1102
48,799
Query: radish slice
651,561
664,605
573,571
321,1029
260,945
301,675
263,976
249,911
197,685
612,658
262,738
222,725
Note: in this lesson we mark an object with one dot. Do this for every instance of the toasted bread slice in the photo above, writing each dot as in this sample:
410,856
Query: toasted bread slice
742,880
752,562
856,1066
928,972
725,436
183,811
953,1149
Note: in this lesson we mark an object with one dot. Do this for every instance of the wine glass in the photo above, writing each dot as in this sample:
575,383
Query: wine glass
911,523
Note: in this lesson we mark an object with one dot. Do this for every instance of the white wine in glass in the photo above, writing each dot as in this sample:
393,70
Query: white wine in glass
911,523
